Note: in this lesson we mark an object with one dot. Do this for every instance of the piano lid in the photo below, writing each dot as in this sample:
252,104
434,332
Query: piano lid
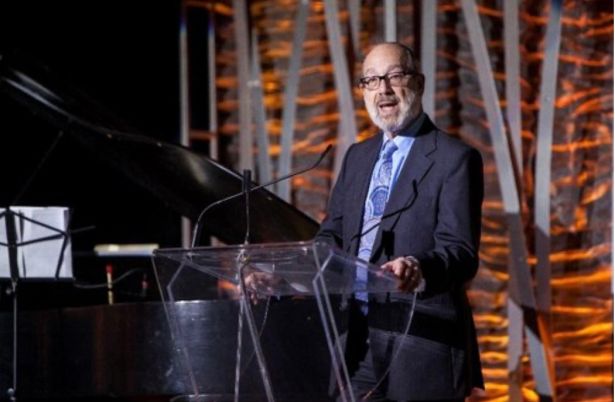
183,179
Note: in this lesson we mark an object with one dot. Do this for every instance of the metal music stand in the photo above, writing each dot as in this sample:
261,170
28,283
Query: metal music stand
270,273
14,222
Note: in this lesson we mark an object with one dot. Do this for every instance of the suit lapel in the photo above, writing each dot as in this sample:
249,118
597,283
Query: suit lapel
415,168
363,176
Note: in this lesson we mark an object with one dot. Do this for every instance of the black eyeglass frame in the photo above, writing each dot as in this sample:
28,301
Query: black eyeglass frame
363,85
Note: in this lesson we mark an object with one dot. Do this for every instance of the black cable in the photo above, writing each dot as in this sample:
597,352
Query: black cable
33,175
81,285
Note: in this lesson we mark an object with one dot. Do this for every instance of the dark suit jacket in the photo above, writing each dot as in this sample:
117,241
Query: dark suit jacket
434,214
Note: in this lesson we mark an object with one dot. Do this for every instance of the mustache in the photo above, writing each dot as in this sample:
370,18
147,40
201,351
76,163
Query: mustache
386,99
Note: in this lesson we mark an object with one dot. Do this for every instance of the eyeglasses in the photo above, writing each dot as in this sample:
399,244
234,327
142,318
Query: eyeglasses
395,79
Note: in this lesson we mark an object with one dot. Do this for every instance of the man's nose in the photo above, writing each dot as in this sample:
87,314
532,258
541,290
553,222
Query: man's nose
384,86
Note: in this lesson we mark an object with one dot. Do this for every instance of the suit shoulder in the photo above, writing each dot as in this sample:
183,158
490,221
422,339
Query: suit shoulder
359,149
368,143
451,146
452,153
449,142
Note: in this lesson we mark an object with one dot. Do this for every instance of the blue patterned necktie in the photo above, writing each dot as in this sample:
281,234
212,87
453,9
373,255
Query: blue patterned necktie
374,207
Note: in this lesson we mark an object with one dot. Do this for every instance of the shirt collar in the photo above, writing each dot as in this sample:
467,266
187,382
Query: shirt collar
405,137
413,128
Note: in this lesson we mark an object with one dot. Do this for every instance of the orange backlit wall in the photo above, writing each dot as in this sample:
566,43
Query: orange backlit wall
579,324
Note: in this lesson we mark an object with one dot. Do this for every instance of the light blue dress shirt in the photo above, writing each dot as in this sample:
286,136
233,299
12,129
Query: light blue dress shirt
404,141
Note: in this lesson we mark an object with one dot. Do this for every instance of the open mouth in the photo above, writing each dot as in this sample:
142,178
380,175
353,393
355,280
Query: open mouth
387,106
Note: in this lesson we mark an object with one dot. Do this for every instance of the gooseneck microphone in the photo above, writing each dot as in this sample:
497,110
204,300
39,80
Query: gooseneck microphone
196,233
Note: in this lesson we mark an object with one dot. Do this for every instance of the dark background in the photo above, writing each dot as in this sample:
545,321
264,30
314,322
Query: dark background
124,56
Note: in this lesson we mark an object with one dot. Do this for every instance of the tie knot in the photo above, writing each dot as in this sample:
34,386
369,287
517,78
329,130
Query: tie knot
389,148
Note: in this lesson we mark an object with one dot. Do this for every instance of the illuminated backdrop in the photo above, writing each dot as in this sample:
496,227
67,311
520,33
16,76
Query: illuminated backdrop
528,83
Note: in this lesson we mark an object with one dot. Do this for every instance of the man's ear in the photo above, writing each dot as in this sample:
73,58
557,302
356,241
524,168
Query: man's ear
419,84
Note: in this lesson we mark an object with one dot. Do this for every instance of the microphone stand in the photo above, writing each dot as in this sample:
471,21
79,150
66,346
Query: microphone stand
12,220
11,238
246,184
196,233
245,308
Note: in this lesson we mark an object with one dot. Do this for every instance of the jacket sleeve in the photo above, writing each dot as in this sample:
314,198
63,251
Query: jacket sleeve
332,227
454,259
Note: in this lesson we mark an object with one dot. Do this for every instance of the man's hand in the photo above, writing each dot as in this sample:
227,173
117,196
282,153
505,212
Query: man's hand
259,284
408,270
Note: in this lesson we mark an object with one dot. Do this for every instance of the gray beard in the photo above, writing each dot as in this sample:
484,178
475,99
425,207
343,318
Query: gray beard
404,118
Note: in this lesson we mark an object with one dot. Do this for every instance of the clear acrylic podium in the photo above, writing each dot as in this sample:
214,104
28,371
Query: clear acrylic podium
287,317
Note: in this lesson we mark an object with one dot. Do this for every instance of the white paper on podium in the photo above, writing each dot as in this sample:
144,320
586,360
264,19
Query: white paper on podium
38,260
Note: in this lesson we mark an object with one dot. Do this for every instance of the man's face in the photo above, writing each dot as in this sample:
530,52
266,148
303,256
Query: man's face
391,107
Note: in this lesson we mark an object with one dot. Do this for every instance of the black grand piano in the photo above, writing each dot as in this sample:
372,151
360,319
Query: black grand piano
72,345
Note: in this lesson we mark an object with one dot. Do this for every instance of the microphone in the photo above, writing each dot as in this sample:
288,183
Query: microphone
196,233
387,236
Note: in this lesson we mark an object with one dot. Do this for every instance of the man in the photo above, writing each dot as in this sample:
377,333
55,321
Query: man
409,200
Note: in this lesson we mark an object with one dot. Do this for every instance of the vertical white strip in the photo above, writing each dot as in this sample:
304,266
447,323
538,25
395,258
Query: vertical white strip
184,79
240,13
260,116
347,133
542,201
506,174
184,104
513,74
390,20
521,287
513,113
213,93
354,8
428,54
289,110
515,351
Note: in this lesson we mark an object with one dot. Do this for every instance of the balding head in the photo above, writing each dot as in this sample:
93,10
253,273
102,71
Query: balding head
403,53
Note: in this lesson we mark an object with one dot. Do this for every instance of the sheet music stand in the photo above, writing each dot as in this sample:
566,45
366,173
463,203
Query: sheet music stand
282,271
15,222
21,231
